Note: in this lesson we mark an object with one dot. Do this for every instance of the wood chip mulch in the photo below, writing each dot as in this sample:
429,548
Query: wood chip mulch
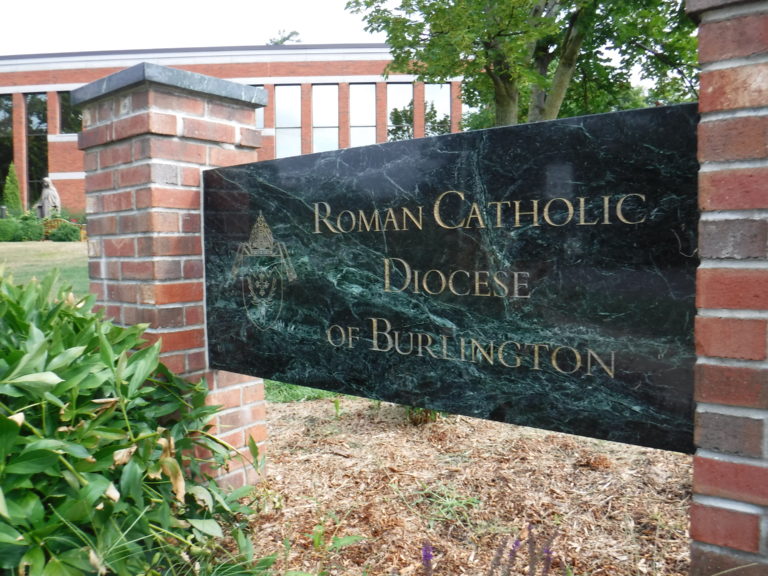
339,470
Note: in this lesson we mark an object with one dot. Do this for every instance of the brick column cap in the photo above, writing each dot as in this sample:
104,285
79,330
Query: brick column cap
147,72
696,7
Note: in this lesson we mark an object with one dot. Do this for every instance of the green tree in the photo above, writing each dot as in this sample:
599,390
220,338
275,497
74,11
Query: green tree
11,192
284,37
521,56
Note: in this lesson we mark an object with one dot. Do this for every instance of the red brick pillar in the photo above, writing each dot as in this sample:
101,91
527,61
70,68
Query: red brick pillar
19,130
148,131
419,108
729,514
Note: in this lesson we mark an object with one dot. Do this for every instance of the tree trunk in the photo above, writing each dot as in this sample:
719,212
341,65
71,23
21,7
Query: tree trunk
574,38
506,98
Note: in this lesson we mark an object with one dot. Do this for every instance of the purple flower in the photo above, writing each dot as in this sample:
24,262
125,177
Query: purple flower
426,558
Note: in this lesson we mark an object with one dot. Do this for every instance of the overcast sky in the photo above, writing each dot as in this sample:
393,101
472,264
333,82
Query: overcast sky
53,26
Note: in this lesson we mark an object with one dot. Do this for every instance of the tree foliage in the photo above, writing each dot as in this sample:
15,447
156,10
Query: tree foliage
520,57
284,37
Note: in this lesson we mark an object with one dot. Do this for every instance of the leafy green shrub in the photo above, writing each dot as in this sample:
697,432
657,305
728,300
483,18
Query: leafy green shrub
11,192
100,470
30,228
9,229
66,232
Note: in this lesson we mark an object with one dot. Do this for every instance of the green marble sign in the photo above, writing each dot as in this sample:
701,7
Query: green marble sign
540,274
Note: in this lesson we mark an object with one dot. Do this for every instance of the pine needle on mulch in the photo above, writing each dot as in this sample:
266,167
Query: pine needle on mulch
353,487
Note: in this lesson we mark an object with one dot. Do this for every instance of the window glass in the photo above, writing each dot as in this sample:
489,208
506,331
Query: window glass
399,96
325,105
37,144
399,111
362,135
287,121
325,139
325,117
439,95
70,118
287,106
362,105
437,109
287,142
6,135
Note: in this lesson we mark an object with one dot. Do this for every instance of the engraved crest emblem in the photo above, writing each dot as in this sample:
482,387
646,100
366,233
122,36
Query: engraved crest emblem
261,270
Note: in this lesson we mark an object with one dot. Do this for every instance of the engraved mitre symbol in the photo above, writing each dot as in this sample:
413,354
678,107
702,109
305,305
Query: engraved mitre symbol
261,270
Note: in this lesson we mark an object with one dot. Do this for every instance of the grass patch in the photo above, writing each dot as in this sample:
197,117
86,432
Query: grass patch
281,392
27,260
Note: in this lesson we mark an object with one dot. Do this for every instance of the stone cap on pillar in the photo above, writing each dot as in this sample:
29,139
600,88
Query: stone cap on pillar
696,7
147,72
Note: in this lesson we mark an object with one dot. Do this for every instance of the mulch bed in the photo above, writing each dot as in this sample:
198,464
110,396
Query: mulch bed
346,468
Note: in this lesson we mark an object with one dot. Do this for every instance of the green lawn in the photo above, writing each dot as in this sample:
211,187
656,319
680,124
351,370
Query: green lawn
26,260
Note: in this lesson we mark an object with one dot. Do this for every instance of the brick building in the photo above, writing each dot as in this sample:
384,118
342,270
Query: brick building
320,97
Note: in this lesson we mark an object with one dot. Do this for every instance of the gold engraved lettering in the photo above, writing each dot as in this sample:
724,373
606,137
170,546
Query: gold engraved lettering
436,209
400,276
347,221
591,354
583,211
499,205
503,357
575,360
620,209
534,211
563,359
569,212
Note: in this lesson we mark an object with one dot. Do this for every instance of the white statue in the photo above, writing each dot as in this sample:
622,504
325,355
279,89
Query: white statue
50,202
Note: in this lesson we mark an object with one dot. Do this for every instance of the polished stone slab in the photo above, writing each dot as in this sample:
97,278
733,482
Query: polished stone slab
540,274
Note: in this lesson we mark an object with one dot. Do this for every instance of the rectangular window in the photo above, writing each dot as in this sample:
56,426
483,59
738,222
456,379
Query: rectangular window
70,117
37,144
325,117
287,120
437,109
362,114
399,111
6,135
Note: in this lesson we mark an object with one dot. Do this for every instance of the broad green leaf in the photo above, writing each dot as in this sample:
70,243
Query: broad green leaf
59,446
253,448
142,364
9,535
131,481
33,562
3,505
65,358
34,358
38,382
105,351
32,462
9,432
56,567
340,542
25,509
208,526
11,554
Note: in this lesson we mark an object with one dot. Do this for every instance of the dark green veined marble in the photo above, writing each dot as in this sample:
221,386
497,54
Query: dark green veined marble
540,274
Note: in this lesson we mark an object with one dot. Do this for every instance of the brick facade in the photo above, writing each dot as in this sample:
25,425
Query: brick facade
145,142
265,66
729,515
